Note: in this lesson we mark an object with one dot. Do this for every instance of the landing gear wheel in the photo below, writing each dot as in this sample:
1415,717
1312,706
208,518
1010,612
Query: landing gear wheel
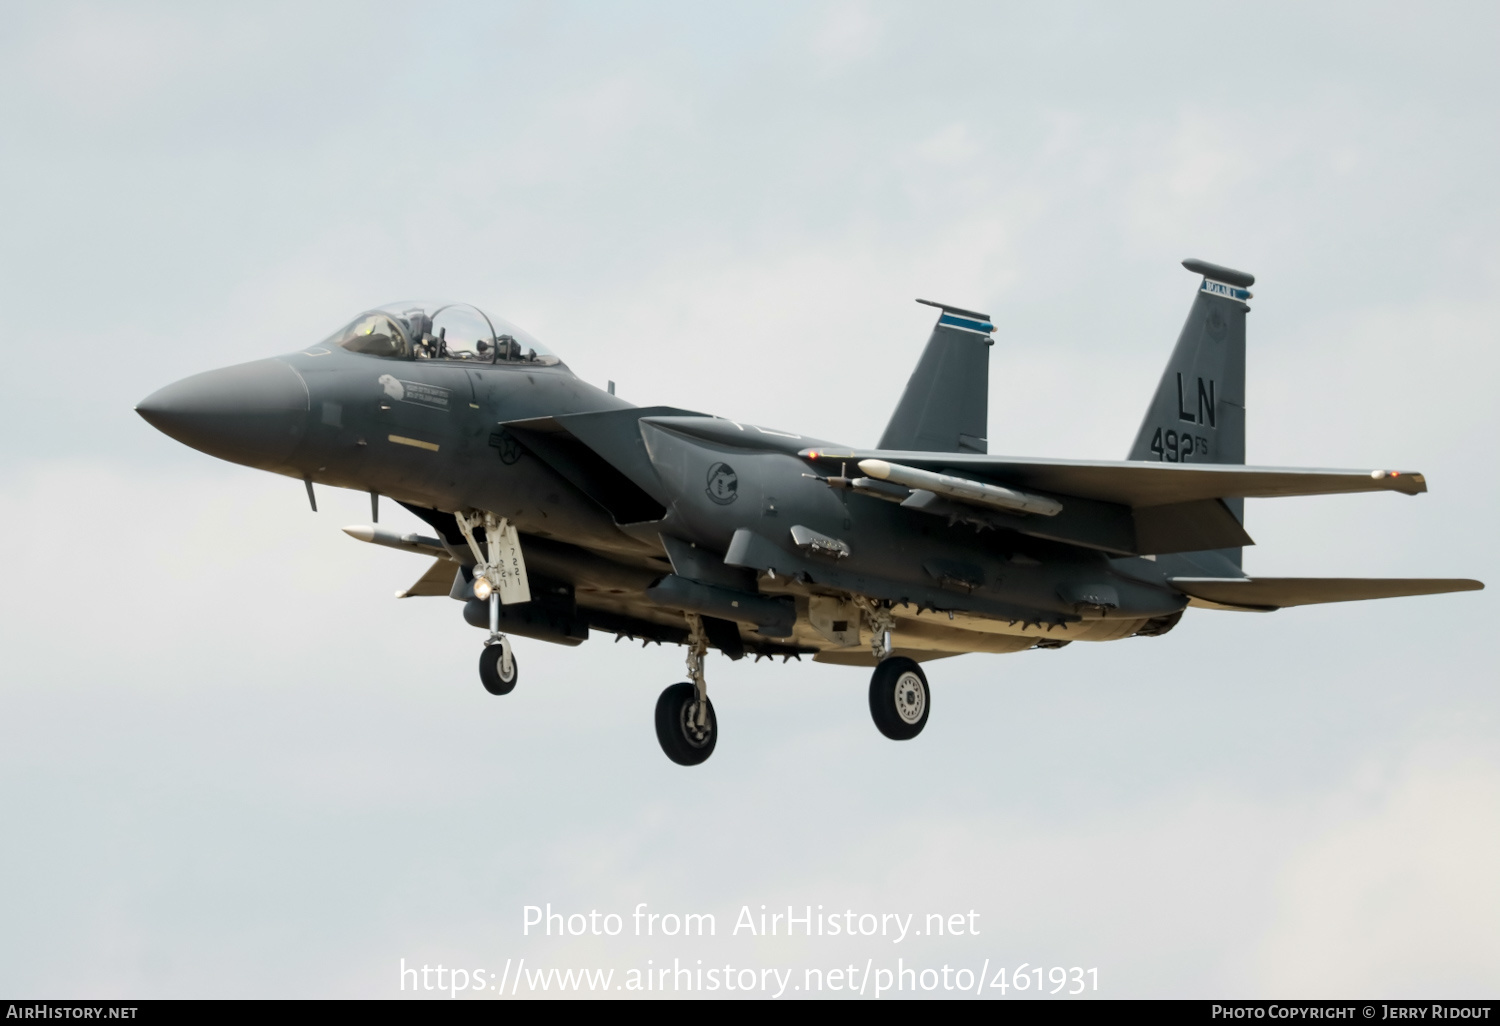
685,743
492,670
899,699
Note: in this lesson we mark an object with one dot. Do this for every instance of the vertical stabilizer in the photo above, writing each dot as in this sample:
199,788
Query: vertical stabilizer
946,405
1198,413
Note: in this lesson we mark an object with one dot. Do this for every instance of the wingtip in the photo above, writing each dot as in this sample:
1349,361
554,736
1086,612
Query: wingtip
1408,482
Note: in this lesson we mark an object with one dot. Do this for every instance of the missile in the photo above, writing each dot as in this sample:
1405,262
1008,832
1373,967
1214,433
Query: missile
962,489
866,486
413,542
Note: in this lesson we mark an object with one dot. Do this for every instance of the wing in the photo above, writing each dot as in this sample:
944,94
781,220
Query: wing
1133,483
1121,507
1267,593
1138,484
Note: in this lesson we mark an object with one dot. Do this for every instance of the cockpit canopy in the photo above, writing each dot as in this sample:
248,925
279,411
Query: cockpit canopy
428,330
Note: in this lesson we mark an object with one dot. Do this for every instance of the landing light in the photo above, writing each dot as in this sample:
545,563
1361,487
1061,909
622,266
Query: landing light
482,589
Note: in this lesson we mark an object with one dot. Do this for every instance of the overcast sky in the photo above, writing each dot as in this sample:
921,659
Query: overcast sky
232,764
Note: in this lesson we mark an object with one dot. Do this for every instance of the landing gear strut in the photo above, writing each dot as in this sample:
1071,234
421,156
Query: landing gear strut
899,699
881,621
497,663
498,573
685,723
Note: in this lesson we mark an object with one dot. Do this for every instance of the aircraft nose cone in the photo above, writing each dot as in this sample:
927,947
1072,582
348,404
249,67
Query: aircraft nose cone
252,413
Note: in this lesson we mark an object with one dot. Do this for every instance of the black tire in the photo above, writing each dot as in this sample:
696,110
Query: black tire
676,725
899,698
490,676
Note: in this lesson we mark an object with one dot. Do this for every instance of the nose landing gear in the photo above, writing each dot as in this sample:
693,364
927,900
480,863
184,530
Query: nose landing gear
498,671
686,726
499,578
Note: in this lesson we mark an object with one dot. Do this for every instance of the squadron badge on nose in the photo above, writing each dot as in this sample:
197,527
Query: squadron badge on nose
723,484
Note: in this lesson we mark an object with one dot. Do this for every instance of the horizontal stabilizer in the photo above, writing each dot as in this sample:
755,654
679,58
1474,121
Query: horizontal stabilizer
1266,593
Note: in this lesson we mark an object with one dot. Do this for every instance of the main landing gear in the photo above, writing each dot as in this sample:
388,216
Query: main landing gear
899,699
685,723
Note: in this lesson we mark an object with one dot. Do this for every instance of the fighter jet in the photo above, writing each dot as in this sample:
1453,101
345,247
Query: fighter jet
559,511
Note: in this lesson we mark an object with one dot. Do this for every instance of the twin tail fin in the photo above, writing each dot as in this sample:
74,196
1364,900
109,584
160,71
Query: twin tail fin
946,405
1198,412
